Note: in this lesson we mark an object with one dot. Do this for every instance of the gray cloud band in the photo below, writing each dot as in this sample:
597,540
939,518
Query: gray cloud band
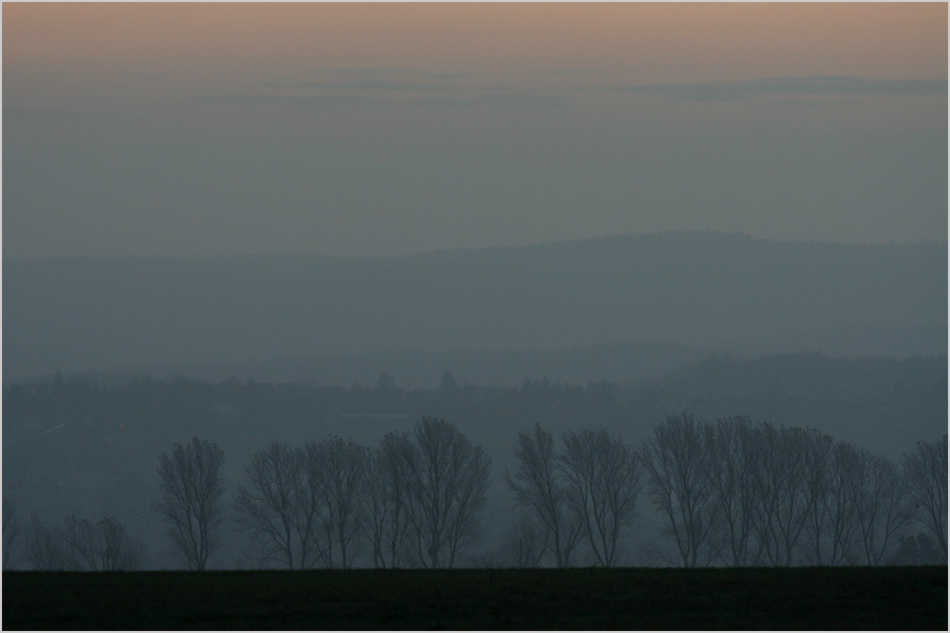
785,86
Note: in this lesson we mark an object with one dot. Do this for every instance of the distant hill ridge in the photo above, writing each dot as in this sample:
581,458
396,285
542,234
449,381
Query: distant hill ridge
702,290
623,240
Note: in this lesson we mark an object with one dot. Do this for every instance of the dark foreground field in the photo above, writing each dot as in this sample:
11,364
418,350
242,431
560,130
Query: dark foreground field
801,598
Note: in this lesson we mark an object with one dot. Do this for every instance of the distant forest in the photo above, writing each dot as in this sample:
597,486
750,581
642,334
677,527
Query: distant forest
882,404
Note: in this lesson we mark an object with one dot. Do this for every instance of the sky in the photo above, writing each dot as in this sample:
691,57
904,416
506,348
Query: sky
386,129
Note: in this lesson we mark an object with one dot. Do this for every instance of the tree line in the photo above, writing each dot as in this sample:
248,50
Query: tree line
742,493
887,399
77,544
730,492
726,492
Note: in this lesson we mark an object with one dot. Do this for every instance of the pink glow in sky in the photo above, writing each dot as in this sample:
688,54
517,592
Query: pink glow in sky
158,64
651,42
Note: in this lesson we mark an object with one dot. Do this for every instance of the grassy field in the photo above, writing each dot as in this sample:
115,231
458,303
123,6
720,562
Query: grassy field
909,598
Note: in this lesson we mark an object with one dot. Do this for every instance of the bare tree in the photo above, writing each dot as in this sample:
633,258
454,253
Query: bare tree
384,503
881,510
604,479
102,546
794,473
80,544
925,473
191,498
817,485
42,547
676,466
336,470
119,550
447,479
798,449
277,507
538,485
847,476
777,477
731,472
11,531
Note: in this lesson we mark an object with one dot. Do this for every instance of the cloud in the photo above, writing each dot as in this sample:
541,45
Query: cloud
296,100
812,102
368,85
398,79
789,86
382,79
506,99
399,87
387,87
362,73
523,100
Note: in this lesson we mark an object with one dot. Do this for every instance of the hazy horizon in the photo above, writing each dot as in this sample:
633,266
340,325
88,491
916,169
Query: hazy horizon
494,247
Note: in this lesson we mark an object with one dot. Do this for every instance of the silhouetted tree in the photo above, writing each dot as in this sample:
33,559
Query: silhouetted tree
770,468
42,547
191,498
278,507
846,480
798,449
731,473
881,508
603,475
386,383
925,474
102,546
676,465
11,531
335,470
539,484
447,384
81,544
385,522
817,484
915,550
447,479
